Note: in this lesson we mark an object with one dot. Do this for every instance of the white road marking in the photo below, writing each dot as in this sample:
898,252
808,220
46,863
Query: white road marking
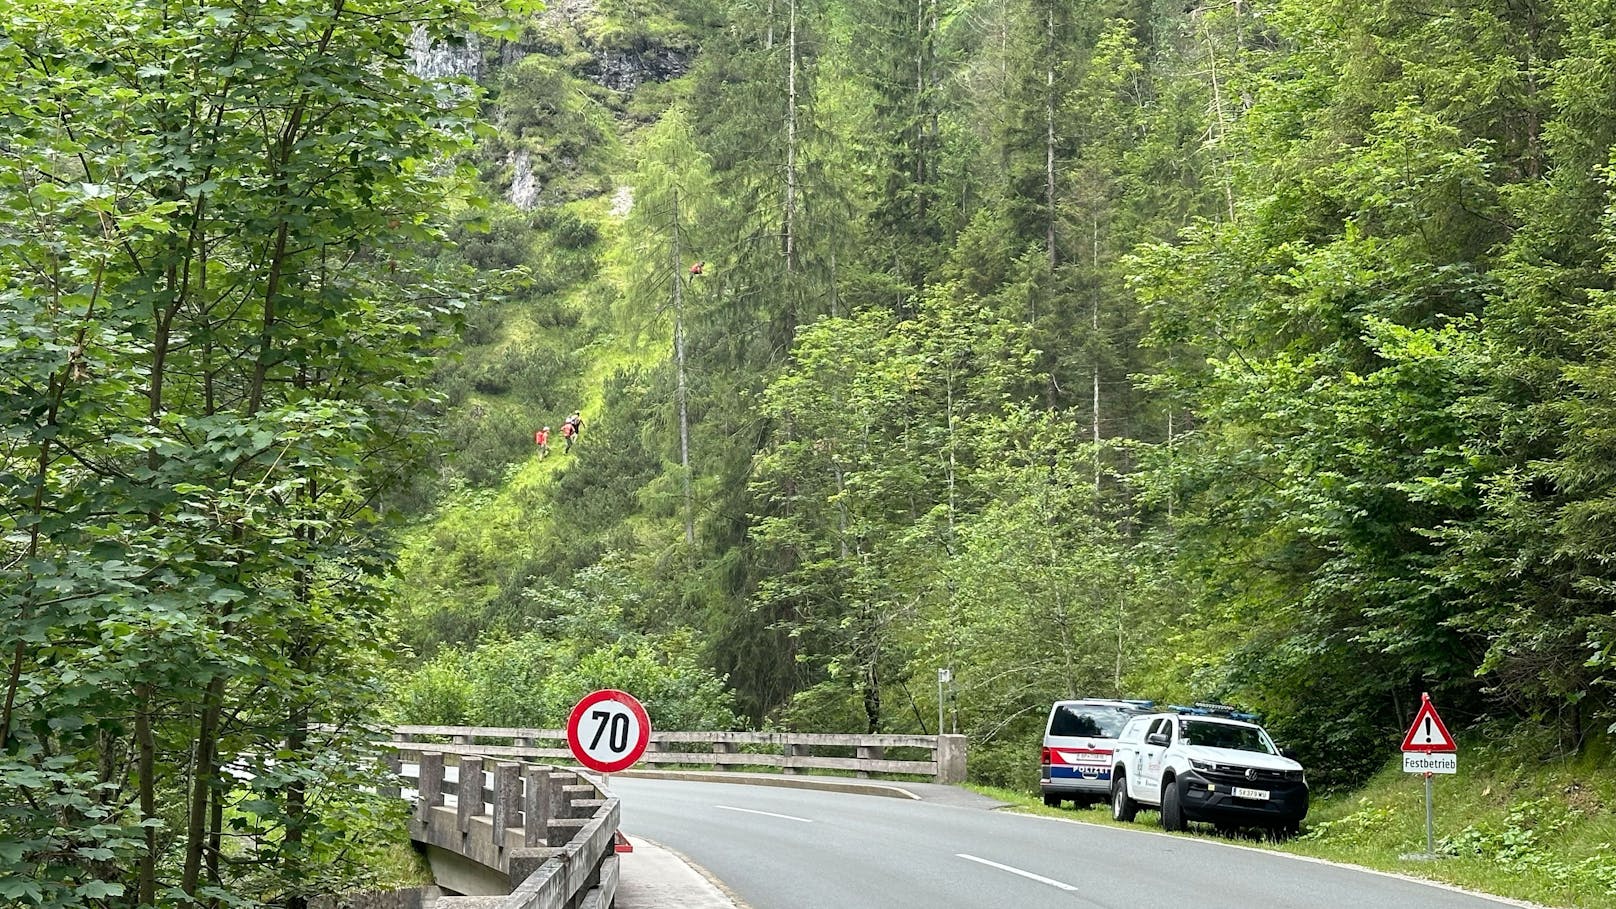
1026,874
784,817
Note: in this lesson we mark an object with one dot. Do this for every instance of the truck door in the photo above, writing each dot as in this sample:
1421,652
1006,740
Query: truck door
1151,754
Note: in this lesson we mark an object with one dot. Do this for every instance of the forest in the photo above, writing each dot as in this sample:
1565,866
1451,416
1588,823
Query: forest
1251,351
1247,352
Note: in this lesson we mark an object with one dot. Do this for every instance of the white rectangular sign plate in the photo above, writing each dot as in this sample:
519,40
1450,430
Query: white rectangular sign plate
1430,763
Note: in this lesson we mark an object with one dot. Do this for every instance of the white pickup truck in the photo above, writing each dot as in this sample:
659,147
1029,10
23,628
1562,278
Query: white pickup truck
1206,763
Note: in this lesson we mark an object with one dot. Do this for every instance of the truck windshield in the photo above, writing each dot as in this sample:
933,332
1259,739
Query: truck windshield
1224,735
1093,721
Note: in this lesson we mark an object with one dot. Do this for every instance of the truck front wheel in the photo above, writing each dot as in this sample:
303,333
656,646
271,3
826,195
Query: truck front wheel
1123,807
1172,813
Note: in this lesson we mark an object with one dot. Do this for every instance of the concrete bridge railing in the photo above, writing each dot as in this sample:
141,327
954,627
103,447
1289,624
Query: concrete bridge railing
511,835
941,757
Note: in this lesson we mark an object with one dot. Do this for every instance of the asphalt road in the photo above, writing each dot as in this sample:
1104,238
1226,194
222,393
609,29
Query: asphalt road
799,849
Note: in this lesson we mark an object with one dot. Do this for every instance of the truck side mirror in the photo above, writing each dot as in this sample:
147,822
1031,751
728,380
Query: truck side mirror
1157,738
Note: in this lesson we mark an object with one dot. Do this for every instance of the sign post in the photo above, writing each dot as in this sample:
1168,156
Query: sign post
1429,749
608,731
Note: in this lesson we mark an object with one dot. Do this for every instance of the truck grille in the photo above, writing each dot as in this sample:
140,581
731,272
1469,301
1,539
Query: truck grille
1236,776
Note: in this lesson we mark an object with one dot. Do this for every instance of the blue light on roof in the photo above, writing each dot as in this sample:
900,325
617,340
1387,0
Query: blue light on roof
1219,710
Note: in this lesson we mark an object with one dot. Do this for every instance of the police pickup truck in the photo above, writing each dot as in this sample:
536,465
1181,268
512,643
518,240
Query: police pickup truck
1206,763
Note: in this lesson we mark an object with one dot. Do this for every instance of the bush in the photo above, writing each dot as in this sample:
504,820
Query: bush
1005,763
533,681
569,231
503,241
437,694
585,637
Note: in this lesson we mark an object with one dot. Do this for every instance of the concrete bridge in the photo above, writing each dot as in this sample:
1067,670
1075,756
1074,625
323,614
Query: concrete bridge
941,758
512,835
504,831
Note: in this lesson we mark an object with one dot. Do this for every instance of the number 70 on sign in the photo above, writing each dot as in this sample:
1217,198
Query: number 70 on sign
608,731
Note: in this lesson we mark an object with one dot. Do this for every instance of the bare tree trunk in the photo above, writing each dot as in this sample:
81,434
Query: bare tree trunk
1221,123
872,696
1063,619
1170,495
952,503
1049,135
791,144
679,361
1122,622
1095,324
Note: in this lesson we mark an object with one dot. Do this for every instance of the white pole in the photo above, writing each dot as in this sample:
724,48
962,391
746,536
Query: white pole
1430,838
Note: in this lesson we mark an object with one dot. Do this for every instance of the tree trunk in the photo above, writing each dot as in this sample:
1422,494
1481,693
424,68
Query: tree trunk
1221,124
1094,421
679,363
145,781
296,802
204,768
791,143
1049,136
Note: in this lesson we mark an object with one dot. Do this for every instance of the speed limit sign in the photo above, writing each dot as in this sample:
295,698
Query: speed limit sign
608,731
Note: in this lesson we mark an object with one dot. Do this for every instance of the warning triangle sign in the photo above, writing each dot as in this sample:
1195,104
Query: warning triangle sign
1428,735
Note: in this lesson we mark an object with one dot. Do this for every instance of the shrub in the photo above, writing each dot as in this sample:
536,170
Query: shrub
437,694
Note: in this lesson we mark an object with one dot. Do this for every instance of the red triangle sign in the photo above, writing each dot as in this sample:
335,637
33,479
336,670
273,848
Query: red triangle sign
1428,735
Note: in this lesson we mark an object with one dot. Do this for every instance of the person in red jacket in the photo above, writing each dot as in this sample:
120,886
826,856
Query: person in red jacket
541,439
572,428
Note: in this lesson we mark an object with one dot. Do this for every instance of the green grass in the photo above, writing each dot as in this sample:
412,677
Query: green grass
1510,823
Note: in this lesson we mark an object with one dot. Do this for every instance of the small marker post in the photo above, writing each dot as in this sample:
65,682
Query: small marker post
1430,835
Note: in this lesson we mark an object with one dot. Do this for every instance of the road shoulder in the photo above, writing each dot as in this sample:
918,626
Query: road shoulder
656,877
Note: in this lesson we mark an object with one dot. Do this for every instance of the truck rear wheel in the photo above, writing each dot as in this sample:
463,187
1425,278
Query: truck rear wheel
1123,807
1172,813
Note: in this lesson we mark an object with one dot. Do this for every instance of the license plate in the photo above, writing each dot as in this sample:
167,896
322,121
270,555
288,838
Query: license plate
1259,794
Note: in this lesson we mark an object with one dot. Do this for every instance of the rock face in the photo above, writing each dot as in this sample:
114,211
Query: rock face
438,60
524,191
625,71
622,201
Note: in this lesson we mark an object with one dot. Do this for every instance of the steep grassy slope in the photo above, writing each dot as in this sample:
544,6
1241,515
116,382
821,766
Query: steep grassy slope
568,103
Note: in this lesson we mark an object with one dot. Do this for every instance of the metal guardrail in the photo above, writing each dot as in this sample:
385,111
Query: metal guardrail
549,831
940,757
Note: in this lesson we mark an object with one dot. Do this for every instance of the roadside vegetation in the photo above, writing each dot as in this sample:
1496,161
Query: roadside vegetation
1521,819
1242,352
1257,352
1245,365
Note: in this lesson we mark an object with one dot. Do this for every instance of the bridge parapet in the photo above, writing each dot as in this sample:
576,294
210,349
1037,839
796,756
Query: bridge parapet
941,757
509,834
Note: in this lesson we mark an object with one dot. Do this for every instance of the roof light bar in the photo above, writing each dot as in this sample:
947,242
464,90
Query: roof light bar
1223,710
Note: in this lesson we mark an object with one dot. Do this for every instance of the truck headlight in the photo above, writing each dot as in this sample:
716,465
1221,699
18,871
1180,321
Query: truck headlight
1202,765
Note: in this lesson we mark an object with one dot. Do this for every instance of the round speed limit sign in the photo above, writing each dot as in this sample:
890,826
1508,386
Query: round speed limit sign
608,731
